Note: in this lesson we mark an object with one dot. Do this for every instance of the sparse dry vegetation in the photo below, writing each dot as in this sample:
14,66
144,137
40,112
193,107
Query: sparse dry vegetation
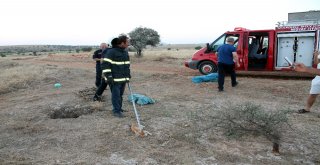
15,76
250,119
43,49
44,125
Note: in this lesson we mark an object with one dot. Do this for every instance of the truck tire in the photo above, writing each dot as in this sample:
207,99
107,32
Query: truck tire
207,67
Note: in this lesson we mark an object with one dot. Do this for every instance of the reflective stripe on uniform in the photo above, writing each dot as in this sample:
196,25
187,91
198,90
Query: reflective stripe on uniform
115,62
107,59
121,79
106,70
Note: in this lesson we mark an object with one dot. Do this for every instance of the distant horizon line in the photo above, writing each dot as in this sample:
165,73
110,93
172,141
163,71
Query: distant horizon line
92,45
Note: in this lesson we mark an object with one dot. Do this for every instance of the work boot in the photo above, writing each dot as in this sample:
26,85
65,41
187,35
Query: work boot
122,110
96,98
118,114
234,85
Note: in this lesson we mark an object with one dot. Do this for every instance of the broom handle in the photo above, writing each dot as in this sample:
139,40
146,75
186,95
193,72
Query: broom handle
134,106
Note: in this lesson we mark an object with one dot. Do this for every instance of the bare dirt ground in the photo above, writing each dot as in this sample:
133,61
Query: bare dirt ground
44,125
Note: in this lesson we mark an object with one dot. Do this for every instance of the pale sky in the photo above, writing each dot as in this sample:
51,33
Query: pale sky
90,22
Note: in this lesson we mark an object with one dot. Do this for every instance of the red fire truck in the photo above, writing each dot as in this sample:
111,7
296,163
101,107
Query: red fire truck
262,50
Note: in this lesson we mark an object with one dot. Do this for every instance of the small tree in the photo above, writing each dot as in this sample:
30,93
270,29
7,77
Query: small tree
140,37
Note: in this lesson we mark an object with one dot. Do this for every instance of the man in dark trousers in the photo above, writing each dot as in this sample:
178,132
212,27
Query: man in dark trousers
97,55
116,69
98,95
227,59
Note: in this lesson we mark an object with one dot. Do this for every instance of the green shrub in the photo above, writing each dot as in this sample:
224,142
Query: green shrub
86,49
132,49
197,47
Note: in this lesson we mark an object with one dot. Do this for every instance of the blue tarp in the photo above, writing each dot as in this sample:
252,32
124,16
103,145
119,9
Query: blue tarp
141,99
213,77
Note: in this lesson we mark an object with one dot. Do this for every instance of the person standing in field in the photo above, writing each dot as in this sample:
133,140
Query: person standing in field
116,69
98,95
227,59
97,55
315,83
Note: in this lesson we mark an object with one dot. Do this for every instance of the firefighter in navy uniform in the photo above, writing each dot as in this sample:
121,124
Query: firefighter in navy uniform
97,56
116,69
98,95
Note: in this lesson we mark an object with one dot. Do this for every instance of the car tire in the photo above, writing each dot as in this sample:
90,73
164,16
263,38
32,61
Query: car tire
207,67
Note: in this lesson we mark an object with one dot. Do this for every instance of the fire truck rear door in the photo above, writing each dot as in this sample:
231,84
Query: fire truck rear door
298,47
305,49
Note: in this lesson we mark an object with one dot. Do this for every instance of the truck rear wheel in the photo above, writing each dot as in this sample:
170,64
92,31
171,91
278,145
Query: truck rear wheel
207,67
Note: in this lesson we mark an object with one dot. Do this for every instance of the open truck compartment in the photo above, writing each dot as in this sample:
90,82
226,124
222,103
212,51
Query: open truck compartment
266,50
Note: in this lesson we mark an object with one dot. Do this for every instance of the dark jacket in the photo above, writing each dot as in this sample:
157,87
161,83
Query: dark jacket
116,64
97,54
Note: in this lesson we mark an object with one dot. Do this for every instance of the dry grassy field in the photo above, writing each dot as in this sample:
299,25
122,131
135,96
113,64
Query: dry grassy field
41,124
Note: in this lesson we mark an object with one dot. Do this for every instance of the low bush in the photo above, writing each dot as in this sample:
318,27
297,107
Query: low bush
251,119
132,49
86,49
197,47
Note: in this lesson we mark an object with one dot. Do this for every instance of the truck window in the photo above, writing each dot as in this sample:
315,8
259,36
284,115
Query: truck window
222,40
236,39
265,45
218,42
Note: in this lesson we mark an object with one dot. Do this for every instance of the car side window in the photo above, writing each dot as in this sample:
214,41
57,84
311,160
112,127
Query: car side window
220,41
236,39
